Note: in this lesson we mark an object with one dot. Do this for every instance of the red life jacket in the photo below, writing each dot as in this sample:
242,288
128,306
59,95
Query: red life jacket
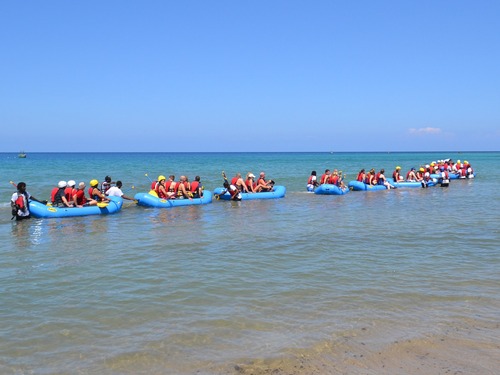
69,192
334,180
53,194
234,180
171,186
309,182
324,178
153,185
360,177
20,201
194,186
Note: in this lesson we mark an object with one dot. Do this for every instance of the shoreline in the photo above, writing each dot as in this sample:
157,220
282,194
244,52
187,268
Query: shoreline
471,347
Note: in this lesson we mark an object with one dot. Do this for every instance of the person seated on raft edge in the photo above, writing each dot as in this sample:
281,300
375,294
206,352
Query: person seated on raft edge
237,181
79,199
197,188
183,189
361,176
70,190
396,175
381,180
232,190
60,196
337,179
411,176
162,190
250,183
263,185
95,193
325,177
312,181
370,178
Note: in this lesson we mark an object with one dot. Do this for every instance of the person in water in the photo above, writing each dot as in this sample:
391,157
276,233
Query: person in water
232,190
20,202
312,181
116,191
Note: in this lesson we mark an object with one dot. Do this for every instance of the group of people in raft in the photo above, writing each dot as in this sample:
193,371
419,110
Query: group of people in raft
165,188
238,185
67,194
443,168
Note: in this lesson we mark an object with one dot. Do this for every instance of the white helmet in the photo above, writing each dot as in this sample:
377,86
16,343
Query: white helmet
71,183
62,184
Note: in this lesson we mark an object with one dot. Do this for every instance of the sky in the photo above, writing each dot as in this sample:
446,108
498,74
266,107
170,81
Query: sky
243,76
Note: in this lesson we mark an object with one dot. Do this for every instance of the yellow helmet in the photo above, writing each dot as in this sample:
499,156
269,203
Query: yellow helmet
161,177
94,183
422,170
398,167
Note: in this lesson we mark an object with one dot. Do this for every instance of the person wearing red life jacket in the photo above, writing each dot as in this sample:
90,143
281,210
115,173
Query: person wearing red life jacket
325,177
197,188
79,199
381,180
411,176
60,199
250,182
237,181
95,193
232,190
312,181
19,202
171,186
263,184
445,177
161,189
396,175
370,178
70,190
361,176
183,188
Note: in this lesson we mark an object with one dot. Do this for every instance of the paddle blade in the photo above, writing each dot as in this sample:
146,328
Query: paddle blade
102,204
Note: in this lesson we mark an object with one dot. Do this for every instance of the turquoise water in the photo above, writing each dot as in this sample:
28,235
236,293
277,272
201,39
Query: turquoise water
200,288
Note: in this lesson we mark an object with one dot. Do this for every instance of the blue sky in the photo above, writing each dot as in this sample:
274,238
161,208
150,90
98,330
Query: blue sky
249,76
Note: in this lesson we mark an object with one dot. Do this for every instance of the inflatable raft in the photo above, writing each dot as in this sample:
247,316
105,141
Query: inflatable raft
330,189
149,200
40,210
453,176
278,192
361,186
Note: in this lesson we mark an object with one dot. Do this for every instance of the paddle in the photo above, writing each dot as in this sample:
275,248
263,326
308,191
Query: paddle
102,204
13,184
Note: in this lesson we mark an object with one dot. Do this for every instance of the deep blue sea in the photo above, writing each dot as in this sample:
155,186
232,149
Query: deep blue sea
210,289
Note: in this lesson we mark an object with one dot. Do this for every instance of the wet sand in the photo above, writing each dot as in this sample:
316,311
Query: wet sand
472,347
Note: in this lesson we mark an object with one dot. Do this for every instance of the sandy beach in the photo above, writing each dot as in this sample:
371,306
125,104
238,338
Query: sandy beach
470,348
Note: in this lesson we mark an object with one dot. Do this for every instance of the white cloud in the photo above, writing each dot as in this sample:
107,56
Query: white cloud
423,131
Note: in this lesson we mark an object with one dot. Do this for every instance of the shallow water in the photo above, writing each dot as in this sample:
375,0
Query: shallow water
202,288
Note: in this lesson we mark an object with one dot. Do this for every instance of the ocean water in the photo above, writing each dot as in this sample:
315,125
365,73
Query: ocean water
208,289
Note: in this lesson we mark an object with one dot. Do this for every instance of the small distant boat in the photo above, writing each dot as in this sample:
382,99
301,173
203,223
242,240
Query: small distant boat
22,155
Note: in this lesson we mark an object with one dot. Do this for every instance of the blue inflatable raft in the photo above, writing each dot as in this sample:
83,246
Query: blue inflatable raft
149,200
40,210
453,176
278,192
330,189
361,186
